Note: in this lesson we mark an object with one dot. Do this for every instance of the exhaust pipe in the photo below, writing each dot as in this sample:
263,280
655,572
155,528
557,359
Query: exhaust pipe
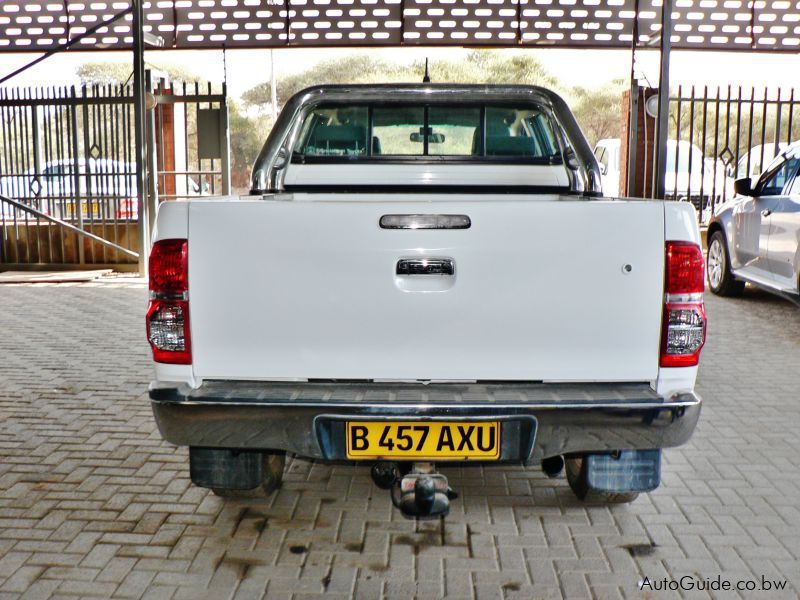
553,465
385,474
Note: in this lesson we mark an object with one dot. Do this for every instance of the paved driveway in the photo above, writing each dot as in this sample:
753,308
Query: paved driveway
92,502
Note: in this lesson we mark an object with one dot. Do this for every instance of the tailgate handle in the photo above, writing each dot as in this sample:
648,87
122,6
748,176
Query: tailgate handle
426,266
425,222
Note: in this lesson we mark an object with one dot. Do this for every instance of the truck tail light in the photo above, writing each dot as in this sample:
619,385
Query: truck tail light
683,329
168,313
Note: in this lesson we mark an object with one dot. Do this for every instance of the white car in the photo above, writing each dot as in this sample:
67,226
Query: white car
105,186
688,175
424,274
752,163
755,236
606,151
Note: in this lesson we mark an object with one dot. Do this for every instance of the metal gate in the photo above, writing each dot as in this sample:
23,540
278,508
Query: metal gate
192,144
720,135
68,195
67,177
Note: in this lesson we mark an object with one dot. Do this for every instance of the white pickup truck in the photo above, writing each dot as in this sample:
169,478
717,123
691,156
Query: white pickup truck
424,274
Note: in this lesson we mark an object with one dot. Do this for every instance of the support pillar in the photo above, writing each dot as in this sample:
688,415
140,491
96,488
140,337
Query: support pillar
663,98
638,145
225,142
150,145
165,142
139,150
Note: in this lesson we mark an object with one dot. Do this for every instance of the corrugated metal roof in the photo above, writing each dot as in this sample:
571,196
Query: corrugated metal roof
31,25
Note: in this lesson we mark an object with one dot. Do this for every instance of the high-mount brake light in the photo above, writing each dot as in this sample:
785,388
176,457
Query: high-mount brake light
425,222
684,325
168,313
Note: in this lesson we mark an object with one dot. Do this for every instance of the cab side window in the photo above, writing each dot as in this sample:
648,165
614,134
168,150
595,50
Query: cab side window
775,181
794,186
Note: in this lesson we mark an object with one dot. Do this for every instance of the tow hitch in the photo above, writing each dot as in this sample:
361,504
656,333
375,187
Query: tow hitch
420,492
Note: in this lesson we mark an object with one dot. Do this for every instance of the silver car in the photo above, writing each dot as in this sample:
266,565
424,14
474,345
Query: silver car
755,237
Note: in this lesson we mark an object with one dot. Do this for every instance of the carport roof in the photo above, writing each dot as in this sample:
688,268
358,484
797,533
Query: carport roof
39,25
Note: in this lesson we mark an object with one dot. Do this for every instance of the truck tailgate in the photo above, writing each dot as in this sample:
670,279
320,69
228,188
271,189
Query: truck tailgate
559,290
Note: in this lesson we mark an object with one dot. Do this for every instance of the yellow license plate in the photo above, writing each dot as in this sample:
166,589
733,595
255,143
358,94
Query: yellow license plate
423,440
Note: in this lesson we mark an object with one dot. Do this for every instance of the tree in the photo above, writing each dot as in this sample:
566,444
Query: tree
247,136
115,73
355,68
104,73
488,66
480,66
598,111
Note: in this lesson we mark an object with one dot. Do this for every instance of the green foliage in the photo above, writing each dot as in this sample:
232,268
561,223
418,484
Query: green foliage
104,73
706,126
355,68
115,73
480,66
487,66
247,136
597,111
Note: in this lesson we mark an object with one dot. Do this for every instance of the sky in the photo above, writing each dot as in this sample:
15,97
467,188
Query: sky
588,68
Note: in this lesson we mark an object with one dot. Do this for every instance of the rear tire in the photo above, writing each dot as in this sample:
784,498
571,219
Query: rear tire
272,476
718,271
578,482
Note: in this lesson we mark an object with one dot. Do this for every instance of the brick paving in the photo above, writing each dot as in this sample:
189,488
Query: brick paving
93,503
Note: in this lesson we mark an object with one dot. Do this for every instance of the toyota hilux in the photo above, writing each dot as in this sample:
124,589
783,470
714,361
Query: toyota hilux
426,275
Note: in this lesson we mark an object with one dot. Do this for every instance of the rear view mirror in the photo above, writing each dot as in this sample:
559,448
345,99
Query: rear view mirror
433,138
571,159
743,186
280,158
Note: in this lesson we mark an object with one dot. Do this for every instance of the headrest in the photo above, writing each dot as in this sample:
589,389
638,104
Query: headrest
340,135
503,145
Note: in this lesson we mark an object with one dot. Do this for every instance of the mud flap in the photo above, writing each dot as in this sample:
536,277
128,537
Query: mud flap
225,469
630,471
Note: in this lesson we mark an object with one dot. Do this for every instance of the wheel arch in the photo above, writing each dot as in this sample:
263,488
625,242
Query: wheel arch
729,284
712,229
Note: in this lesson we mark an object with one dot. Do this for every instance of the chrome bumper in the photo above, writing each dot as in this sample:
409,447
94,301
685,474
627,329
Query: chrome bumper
538,420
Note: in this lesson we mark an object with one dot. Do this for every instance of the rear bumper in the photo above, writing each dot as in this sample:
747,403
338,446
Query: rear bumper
537,420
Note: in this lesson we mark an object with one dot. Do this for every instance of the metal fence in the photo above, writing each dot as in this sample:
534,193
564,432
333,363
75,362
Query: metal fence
191,145
67,166
68,194
719,135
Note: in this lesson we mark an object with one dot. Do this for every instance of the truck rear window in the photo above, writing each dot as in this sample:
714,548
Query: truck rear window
335,132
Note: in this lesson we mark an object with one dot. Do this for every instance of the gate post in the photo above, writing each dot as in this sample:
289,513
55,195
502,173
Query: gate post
37,152
637,145
225,142
139,114
165,139
152,158
76,178
663,99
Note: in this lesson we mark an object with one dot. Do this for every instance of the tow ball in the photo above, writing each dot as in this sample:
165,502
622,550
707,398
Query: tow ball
420,492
